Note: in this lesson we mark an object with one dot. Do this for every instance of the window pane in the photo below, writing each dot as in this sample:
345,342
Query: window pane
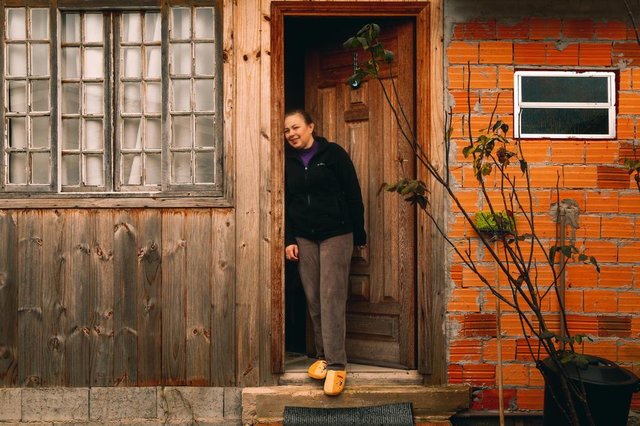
17,96
181,95
151,27
70,170
181,167
70,98
131,169
153,170
204,132
154,62
204,92
71,62
71,134
153,99
205,27
565,89
94,95
93,170
181,132
40,24
180,23
131,134
204,167
40,95
93,28
132,62
40,132
70,28
39,59
17,132
40,166
16,22
205,58
153,137
132,98
93,63
93,135
131,24
571,121
18,168
17,60
181,59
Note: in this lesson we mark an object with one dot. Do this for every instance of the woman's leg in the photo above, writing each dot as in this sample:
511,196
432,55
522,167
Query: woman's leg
309,269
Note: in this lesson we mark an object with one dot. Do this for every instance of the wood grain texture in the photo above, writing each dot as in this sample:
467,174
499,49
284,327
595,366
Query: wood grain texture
8,299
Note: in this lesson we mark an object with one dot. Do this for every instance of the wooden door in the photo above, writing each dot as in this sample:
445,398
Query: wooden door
381,307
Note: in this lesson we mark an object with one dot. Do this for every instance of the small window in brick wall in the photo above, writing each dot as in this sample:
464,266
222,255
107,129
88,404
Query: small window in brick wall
564,104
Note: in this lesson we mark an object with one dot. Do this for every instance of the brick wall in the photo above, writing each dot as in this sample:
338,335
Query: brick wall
483,54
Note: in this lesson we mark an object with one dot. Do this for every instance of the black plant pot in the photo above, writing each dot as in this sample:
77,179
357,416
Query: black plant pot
609,388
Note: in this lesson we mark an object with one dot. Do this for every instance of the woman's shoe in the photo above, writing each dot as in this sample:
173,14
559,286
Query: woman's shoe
318,369
335,381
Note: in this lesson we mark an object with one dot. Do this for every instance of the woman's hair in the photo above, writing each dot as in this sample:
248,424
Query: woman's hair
305,115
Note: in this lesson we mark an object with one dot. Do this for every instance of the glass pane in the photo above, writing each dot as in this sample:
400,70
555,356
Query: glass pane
181,95
93,170
154,62
16,59
71,62
152,169
181,167
205,60
569,121
204,167
180,23
93,63
565,89
205,26
17,133
205,92
70,170
17,96
131,134
204,131
70,98
93,135
16,22
40,166
132,62
40,24
40,132
71,134
181,59
93,28
181,132
131,24
131,169
153,134
153,98
39,95
132,98
18,168
70,28
151,27
94,98
39,59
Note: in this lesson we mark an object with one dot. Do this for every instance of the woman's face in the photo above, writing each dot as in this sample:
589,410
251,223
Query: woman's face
298,133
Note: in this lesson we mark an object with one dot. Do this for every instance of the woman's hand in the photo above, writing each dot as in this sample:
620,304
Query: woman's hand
291,252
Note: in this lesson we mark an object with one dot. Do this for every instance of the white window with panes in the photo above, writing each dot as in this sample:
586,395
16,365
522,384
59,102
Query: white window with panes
111,102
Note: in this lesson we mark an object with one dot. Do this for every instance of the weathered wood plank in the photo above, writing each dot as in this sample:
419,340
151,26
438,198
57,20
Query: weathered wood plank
30,352
8,299
198,296
54,311
173,292
125,326
149,290
223,367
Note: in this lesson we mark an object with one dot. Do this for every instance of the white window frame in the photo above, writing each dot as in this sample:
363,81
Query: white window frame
519,105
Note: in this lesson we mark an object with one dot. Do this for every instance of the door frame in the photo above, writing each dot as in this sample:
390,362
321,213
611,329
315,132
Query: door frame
430,250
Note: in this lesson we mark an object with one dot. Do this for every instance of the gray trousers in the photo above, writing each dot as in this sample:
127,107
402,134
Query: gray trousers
324,272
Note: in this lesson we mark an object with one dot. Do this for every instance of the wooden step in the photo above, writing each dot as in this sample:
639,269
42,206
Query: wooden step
360,378
262,405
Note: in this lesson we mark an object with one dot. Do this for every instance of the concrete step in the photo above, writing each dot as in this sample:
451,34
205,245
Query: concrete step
430,403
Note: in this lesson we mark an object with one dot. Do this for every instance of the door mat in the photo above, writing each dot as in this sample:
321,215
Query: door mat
400,414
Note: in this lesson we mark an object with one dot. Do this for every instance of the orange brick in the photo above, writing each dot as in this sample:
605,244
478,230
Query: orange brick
482,77
629,203
613,30
463,99
578,28
496,52
629,252
626,128
601,151
580,176
567,55
628,103
458,31
536,151
629,301
600,301
589,227
602,202
501,102
457,228
454,373
629,352
456,274
529,53
615,276
490,350
567,151
542,28
628,150
505,77
614,326
627,52
618,227
635,327
530,399
470,201
455,78
624,79
465,350
595,54
480,325
464,299
535,377
581,276
479,374
546,176
573,301
612,177
471,279
480,30
515,375
460,52
635,72
603,251
524,348
456,175
603,348
635,401
519,30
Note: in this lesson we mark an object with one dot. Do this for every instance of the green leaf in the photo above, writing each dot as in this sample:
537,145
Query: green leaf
388,56
351,43
582,257
468,150
523,166
497,125
504,128
363,42
594,262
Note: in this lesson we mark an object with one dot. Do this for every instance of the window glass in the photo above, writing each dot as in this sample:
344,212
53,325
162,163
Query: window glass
565,89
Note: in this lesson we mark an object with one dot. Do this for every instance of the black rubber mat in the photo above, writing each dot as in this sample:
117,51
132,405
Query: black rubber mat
400,414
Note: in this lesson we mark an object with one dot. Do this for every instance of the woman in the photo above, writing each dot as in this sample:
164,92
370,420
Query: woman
324,220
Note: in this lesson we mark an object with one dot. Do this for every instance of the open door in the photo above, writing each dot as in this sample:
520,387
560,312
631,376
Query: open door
381,311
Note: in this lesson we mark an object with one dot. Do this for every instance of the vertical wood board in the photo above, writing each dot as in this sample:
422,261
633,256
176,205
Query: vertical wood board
8,298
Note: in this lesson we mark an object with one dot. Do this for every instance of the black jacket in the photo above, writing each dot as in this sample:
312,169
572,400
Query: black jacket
322,200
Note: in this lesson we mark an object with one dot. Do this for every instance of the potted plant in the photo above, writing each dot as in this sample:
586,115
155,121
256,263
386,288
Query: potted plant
507,232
